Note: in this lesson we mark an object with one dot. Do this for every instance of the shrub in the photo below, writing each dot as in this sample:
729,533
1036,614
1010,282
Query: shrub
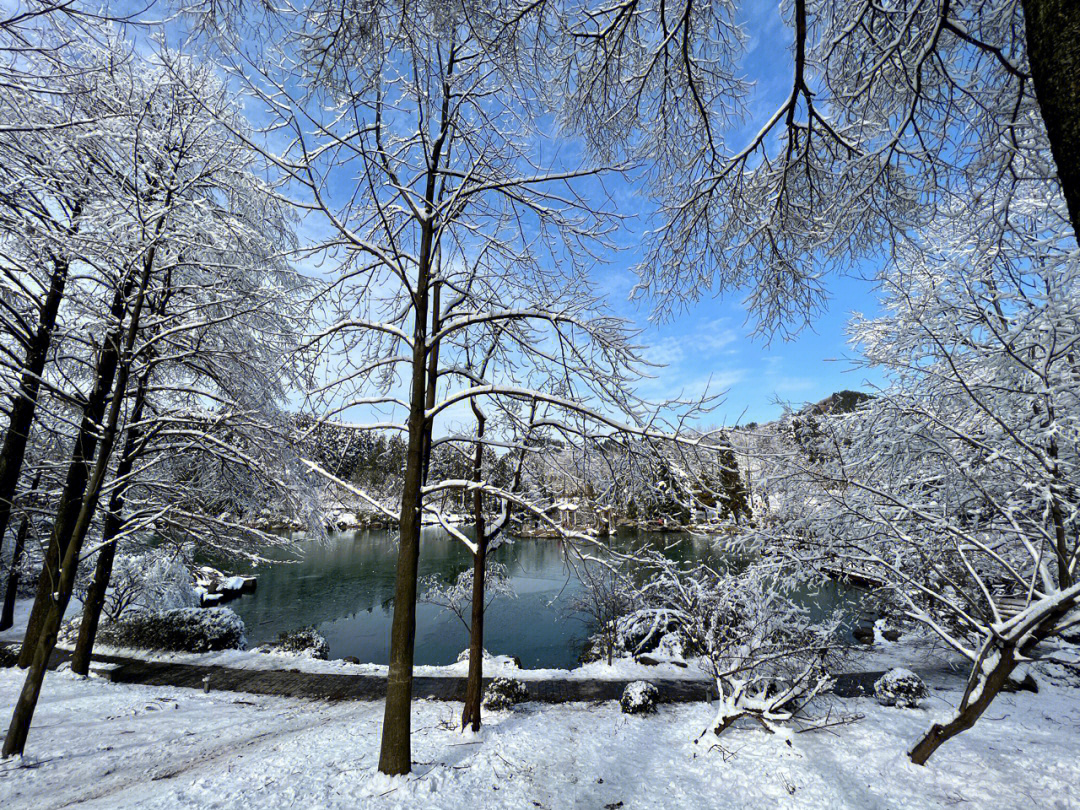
639,697
182,630
306,642
502,693
899,687
148,582
641,631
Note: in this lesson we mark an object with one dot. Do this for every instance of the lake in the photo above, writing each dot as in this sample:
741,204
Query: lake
344,587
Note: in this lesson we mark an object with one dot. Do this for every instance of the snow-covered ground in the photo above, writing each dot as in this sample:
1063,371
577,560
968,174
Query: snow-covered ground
96,744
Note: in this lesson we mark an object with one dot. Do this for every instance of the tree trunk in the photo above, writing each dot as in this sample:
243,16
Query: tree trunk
986,686
95,597
395,756
470,715
56,603
396,750
7,618
24,401
1053,46
45,643
969,710
78,473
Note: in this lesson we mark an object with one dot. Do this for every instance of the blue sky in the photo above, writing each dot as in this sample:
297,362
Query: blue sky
710,345
711,342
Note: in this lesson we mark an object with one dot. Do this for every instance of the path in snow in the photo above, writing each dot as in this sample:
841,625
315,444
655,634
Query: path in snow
332,686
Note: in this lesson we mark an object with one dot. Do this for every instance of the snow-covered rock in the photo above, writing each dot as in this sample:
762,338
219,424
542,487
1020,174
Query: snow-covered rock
182,630
209,582
464,655
899,687
673,645
502,693
886,630
863,634
510,661
207,599
639,697
306,642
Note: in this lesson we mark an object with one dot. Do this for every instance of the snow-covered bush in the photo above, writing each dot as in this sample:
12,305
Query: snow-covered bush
147,582
639,697
504,661
957,486
899,687
306,642
646,633
641,631
8,656
673,645
502,693
182,629
606,597
768,656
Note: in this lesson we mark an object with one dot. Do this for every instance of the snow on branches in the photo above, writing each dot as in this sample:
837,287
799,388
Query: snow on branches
769,656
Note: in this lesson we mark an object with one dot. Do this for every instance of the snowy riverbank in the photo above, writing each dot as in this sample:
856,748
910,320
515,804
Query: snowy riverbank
116,746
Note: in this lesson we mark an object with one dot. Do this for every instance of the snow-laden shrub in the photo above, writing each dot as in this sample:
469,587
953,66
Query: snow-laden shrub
639,697
307,642
464,655
8,656
899,687
502,693
599,648
769,656
641,631
68,633
148,582
182,630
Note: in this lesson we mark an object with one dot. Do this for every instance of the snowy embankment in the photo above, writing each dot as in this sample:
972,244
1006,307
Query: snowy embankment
118,746
622,669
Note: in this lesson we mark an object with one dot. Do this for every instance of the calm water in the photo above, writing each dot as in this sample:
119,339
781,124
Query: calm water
344,587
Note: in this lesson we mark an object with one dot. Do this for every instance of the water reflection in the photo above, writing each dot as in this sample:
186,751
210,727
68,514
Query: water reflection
344,586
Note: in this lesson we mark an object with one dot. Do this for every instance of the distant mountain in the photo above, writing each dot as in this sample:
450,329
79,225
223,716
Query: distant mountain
839,402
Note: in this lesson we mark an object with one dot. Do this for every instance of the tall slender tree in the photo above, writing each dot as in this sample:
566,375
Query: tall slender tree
195,273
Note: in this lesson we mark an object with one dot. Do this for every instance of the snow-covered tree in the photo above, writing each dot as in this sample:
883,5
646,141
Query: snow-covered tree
958,484
460,249
769,656
898,113
182,313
